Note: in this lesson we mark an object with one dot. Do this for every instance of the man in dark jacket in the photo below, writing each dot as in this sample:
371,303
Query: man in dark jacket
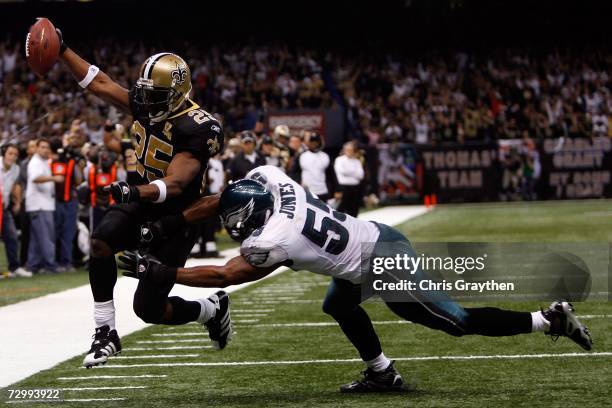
247,160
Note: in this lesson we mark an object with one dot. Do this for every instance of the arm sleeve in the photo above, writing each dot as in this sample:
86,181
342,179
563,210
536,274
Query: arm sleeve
34,171
326,159
263,254
268,176
340,167
359,172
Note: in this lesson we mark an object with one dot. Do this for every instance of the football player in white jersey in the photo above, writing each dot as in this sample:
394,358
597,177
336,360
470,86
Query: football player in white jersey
280,224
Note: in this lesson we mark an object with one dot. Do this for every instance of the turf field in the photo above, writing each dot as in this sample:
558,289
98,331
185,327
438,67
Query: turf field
18,289
286,352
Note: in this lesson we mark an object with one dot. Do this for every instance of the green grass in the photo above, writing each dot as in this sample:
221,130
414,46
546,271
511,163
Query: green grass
17,289
580,381
549,221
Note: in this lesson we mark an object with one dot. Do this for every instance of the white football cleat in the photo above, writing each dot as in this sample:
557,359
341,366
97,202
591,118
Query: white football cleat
106,344
563,322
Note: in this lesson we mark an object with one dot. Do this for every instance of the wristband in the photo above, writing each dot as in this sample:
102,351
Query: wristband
162,191
109,128
91,74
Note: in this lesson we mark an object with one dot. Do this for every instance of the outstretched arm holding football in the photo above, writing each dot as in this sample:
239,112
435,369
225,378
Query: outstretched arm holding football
92,78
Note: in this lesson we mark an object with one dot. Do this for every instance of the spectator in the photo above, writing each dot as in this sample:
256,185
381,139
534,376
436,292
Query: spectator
24,219
216,181
313,164
270,152
295,147
281,139
100,172
40,205
246,160
349,173
11,193
66,205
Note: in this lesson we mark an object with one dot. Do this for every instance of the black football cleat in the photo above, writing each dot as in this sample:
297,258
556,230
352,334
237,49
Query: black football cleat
220,326
563,322
383,381
106,344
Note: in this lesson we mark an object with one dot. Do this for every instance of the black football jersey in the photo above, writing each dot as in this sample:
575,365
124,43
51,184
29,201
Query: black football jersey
192,130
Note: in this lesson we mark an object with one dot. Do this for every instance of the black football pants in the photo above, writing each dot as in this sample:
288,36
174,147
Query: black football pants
343,301
119,228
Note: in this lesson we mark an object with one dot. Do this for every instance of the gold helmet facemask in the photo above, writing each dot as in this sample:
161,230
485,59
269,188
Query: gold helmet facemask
163,86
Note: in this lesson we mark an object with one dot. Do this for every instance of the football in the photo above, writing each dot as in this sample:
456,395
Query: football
42,46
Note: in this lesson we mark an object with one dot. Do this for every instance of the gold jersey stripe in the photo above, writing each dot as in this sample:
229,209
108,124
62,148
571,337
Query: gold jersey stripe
192,107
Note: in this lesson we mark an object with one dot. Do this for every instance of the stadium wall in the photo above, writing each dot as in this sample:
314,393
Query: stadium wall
514,169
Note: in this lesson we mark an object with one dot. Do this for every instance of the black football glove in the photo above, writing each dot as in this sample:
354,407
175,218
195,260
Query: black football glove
165,227
63,46
122,192
146,267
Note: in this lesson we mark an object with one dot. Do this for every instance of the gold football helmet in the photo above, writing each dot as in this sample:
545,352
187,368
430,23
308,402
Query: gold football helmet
163,86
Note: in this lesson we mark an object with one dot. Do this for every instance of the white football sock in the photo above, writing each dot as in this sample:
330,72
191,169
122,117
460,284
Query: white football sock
207,311
211,246
104,313
538,322
379,363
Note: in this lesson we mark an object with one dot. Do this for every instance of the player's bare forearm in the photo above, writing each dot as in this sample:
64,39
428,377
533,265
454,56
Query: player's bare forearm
236,271
102,85
183,168
202,209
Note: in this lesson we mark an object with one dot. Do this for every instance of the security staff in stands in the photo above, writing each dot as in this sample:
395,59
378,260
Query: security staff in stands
65,163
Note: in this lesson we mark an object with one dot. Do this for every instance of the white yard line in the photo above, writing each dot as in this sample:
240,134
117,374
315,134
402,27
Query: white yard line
112,377
94,399
167,348
240,315
68,333
355,360
67,400
126,387
179,334
154,356
319,324
173,341
276,302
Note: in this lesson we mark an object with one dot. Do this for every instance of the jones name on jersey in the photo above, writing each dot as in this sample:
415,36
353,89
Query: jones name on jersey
191,130
305,233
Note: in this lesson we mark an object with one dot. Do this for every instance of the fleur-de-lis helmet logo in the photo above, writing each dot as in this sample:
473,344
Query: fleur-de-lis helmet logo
179,74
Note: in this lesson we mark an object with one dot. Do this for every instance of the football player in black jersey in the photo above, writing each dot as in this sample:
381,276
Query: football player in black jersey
173,140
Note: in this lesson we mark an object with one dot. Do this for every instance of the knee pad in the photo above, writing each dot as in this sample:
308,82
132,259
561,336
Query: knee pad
113,233
100,249
149,315
327,307
335,309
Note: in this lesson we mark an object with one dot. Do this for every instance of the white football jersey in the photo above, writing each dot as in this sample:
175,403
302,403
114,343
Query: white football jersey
305,233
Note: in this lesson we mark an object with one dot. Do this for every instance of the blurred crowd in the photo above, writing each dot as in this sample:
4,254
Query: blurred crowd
455,97
55,136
